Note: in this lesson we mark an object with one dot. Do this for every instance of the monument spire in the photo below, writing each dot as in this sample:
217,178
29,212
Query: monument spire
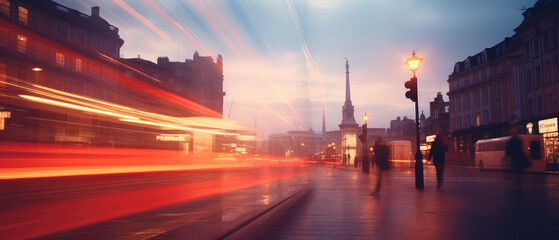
348,127
347,92
347,109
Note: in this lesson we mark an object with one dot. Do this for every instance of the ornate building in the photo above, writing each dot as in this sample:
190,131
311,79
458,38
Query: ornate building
512,84
199,79
348,126
62,81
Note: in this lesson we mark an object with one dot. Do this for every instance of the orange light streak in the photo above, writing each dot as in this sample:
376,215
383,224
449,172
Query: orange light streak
233,32
279,116
216,27
76,107
175,126
187,32
312,68
142,19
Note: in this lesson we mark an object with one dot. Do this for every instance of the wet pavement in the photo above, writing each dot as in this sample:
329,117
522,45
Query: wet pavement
200,204
470,205
335,203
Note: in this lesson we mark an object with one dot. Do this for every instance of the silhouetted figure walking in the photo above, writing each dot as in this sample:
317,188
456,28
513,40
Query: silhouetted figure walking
518,160
381,160
438,150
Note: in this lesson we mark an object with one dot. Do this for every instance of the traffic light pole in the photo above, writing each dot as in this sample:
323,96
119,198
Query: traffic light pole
365,156
418,156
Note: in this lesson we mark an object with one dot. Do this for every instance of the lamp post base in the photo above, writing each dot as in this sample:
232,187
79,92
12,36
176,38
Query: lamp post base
419,170
365,164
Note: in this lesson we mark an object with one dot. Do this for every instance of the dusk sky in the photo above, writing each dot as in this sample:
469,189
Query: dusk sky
279,53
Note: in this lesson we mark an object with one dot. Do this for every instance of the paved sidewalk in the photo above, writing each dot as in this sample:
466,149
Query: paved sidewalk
470,205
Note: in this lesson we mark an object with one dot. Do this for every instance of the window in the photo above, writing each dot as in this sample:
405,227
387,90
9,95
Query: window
547,74
555,70
111,49
80,39
536,48
527,52
484,95
478,120
530,108
466,100
497,91
5,7
529,80
499,115
553,34
23,15
79,65
538,80
467,63
62,32
476,98
545,41
484,56
60,59
21,43
539,107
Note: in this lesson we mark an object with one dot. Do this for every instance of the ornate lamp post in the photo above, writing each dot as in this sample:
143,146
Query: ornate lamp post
413,64
363,139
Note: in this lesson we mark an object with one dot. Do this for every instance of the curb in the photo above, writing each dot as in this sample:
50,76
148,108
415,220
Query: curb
264,223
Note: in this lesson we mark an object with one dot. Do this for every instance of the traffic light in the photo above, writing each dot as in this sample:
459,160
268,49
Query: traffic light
412,86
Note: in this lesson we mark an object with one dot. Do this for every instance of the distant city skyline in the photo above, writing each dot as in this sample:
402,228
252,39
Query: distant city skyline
279,53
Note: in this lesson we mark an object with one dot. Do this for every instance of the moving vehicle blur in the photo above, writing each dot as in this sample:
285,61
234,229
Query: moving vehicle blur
490,153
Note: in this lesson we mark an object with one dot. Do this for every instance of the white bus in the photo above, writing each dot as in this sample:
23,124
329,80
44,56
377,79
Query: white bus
401,153
490,153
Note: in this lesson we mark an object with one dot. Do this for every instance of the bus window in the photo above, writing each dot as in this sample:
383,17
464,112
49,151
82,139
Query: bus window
535,150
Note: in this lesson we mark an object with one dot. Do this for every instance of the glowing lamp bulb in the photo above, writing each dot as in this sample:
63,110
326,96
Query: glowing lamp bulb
413,62
365,117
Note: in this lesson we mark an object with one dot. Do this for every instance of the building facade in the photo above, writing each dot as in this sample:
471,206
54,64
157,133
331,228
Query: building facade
511,84
62,81
535,75
199,79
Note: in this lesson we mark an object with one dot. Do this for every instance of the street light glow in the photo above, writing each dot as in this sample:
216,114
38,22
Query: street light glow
365,117
413,62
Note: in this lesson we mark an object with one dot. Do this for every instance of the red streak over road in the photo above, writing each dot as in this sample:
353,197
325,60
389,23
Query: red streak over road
37,220
24,165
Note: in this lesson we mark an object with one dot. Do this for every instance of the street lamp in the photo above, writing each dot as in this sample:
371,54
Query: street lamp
413,64
363,139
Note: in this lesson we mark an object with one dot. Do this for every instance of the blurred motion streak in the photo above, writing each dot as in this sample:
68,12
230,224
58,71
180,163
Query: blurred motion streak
31,160
72,106
279,116
142,19
35,220
189,34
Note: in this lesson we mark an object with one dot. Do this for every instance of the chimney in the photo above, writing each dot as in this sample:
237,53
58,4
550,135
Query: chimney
95,11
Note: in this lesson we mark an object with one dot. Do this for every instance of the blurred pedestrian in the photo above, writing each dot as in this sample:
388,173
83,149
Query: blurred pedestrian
356,161
381,160
514,151
438,150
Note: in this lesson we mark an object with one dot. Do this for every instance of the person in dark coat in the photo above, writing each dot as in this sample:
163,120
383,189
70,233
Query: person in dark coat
438,150
381,160
519,161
